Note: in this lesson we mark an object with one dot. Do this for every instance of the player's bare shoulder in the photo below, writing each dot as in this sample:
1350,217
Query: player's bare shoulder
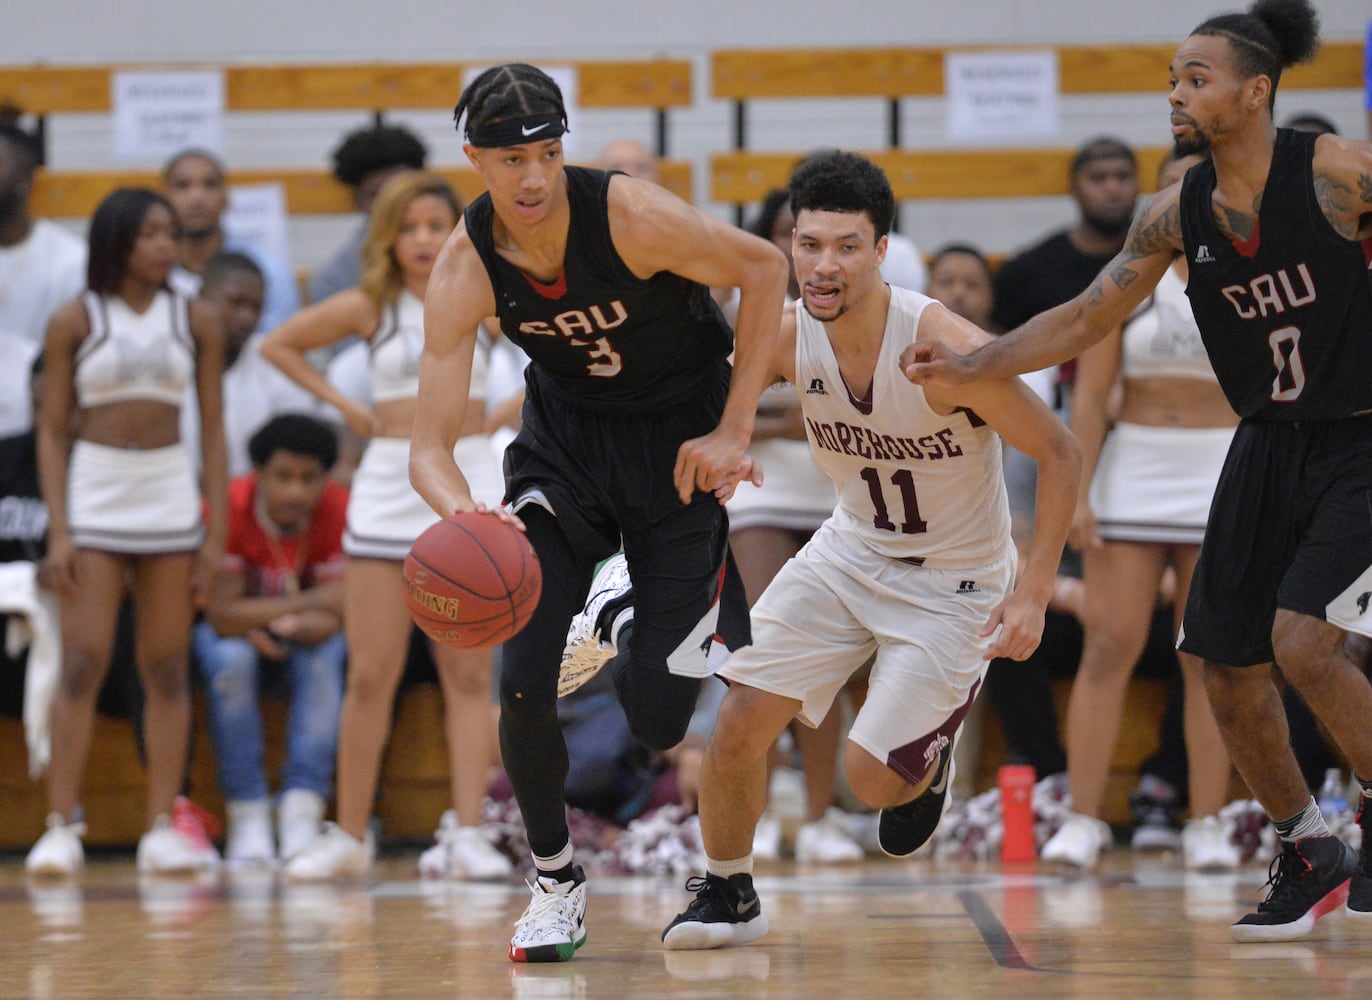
938,322
784,356
459,279
1342,172
1156,228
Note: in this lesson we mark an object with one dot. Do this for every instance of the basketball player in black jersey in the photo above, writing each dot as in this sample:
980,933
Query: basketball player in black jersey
633,419
1277,229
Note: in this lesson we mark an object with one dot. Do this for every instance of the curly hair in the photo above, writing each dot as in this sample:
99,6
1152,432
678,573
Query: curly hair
381,148
839,181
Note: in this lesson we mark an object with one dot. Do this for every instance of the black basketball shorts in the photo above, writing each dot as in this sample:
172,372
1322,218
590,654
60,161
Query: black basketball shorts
1290,527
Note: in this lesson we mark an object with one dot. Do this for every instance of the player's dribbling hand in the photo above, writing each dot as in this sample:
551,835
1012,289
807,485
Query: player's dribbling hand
705,463
1020,621
471,507
933,361
749,470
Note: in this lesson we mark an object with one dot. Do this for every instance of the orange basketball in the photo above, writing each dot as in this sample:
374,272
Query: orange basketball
472,580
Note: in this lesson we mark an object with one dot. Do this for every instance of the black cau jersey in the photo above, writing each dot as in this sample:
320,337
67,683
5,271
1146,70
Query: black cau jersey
600,337
1287,316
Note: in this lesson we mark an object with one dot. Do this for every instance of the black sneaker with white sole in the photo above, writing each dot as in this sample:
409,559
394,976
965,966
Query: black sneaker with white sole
726,911
902,830
1309,879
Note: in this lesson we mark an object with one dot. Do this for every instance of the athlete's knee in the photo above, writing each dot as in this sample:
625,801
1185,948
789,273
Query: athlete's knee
521,700
1306,650
875,784
658,729
747,726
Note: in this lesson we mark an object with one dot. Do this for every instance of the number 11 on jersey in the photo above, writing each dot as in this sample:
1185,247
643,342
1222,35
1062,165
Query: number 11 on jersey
904,480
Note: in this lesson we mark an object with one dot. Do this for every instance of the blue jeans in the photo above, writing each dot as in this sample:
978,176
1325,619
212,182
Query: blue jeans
233,671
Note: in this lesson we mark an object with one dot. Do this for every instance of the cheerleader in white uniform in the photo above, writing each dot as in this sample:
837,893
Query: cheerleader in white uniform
125,509
412,216
1144,509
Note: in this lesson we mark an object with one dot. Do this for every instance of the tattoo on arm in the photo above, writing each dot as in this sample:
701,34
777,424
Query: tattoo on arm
1365,188
1150,236
1339,203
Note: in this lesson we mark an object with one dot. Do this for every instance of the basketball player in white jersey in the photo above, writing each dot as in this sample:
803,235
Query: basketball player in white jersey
915,565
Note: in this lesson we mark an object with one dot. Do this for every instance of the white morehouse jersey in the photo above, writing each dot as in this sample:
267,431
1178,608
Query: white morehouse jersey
912,484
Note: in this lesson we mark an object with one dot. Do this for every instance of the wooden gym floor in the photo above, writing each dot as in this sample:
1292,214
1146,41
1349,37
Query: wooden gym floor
1138,928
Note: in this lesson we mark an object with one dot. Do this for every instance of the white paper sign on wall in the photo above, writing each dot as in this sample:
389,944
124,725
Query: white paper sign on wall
157,114
996,95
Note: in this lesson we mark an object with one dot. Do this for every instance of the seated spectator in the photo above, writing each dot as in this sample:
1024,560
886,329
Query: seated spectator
274,621
1308,121
364,161
631,157
25,604
196,186
254,389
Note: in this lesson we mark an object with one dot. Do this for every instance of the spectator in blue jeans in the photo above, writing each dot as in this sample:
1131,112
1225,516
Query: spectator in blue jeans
274,621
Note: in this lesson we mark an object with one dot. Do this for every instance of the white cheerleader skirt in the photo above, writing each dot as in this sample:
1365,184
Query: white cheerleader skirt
1155,484
386,515
795,494
132,501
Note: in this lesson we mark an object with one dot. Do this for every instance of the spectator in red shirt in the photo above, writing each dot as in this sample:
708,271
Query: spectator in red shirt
274,622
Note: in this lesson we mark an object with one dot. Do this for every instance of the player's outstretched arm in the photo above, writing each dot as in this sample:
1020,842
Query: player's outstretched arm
655,231
1025,422
1061,333
459,297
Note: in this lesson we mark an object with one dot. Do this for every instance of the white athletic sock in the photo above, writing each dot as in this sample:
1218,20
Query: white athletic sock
1309,822
562,859
724,869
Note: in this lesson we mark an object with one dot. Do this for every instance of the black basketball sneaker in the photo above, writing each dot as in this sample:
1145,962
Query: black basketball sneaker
1309,879
1359,905
902,830
725,911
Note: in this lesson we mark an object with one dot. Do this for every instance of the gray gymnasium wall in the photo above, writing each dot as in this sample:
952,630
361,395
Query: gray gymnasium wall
283,31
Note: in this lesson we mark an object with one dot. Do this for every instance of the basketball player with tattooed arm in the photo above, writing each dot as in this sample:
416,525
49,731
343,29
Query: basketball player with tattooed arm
1277,231
915,565
633,432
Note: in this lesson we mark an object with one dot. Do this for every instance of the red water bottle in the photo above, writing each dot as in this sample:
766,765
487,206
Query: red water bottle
1017,812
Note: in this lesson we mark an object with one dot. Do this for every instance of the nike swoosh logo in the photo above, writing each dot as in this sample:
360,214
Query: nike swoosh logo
530,131
941,781
744,906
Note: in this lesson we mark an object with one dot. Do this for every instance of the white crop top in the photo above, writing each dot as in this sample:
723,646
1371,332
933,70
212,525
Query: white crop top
395,348
129,355
1163,340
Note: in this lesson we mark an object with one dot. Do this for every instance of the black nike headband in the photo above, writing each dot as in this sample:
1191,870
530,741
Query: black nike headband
518,131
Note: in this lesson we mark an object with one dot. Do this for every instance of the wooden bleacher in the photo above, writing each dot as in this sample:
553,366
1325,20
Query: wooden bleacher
748,77
656,84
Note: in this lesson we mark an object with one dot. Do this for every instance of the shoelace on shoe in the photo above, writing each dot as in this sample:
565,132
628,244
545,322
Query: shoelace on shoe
710,893
1281,874
545,901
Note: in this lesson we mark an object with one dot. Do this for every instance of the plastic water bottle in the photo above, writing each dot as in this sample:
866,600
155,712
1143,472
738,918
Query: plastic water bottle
1017,812
1331,800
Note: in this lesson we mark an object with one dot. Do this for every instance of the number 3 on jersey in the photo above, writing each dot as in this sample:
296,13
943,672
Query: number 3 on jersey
603,360
904,481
